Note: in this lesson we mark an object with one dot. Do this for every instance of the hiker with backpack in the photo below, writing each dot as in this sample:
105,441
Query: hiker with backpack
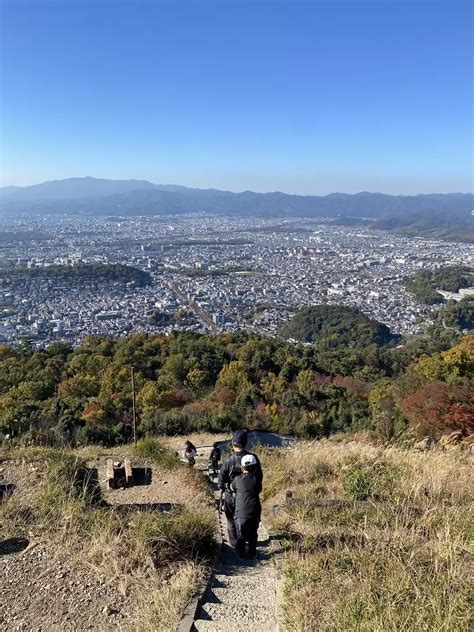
231,468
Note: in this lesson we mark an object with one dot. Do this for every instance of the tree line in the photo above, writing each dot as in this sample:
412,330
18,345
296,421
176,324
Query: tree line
83,272
191,382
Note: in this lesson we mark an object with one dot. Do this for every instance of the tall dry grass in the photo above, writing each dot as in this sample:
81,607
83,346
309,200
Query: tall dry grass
162,556
403,564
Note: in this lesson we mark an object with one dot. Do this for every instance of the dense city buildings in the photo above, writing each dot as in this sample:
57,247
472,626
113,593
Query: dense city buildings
207,273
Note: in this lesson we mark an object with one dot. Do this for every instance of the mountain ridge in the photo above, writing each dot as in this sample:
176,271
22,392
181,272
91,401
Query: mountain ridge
56,187
424,212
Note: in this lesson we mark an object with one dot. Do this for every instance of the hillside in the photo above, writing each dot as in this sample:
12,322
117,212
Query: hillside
376,538
335,325
446,213
188,382
80,274
424,284
366,527
459,315
75,555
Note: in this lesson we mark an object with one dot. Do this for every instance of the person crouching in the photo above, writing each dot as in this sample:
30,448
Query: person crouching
190,453
247,488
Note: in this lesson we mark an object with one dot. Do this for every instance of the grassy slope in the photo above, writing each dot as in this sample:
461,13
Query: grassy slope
165,553
403,565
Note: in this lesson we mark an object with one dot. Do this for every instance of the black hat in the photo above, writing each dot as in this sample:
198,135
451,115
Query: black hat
239,438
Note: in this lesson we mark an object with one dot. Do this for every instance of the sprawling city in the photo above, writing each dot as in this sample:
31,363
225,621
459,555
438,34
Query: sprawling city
204,274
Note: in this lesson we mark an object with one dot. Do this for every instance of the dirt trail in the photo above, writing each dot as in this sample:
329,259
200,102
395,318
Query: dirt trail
241,594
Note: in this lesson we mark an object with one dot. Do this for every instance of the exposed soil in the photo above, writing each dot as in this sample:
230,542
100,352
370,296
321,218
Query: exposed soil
42,592
170,488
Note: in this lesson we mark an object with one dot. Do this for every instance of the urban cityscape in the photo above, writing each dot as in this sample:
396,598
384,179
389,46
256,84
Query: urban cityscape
205,274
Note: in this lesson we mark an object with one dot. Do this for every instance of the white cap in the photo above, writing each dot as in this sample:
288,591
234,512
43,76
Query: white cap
248,459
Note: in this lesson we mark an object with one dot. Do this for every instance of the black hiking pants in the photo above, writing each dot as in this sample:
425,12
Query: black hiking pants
247,533
229,510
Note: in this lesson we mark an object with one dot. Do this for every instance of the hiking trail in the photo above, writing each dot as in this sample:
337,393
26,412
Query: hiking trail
241,593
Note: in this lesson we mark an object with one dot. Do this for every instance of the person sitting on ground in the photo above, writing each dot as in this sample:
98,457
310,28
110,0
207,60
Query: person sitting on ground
247,488
215,457
190,453
229,470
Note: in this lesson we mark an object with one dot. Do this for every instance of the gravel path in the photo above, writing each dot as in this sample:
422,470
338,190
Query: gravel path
242,594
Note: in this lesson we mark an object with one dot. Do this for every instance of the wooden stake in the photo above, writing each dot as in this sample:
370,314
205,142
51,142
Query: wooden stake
134,412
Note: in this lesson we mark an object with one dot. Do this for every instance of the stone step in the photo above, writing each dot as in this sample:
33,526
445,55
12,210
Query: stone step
221,594
247,614
202,625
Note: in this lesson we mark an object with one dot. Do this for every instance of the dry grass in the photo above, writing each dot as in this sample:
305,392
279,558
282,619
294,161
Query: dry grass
404,564
162,603
162,556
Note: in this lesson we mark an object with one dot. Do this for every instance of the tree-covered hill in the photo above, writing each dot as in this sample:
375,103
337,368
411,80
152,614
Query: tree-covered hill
188,382
335,326
90,273
425,283
457,314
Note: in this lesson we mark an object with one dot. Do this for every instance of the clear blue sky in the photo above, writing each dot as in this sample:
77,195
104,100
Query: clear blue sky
305,97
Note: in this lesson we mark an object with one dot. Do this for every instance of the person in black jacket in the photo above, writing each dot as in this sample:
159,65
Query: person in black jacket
229,470
247,506
214,458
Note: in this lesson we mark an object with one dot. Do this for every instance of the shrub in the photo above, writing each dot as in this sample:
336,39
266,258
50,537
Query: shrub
102,435
152,449
175,421
371,479
322,471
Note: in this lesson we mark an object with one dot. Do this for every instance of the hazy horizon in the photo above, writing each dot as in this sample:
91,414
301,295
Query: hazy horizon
180,184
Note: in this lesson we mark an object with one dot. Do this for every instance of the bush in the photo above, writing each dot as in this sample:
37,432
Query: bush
371,479
153,450
322,472
101,435
175,422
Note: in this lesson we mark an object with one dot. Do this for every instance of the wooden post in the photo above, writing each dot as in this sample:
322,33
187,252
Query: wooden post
134,412
110,474
128,472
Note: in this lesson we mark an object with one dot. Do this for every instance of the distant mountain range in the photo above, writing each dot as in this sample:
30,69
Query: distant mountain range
442,214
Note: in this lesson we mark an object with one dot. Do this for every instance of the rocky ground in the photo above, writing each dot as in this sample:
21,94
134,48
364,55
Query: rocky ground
42,592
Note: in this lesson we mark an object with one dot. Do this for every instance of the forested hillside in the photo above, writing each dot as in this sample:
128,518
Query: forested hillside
80,273
425,283
336,326
188,382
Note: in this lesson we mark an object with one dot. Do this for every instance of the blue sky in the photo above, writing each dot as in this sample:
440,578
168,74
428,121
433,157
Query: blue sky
304,97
